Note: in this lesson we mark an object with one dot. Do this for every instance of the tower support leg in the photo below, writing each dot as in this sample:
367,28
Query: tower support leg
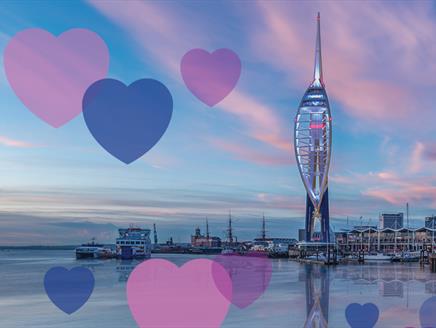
325,218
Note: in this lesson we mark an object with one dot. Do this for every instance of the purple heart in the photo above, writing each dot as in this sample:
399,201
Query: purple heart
51,74
69,290
427,313
210,77
127,121
362,316
250,277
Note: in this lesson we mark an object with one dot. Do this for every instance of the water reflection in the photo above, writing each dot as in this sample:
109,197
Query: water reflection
397,289
392,281
124,268
317,285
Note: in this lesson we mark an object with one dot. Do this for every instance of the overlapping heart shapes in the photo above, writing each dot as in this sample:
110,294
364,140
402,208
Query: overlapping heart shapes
160,294
58,77
51,74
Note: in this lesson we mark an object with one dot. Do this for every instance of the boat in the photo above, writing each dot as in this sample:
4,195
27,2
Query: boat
229,251
411,256
133,243
406,256
206,250
319,257
93,250
377,257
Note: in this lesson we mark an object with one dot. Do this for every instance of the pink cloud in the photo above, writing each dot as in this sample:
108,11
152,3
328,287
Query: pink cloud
397,189
373,55
416,158
253,154
8,142
263,125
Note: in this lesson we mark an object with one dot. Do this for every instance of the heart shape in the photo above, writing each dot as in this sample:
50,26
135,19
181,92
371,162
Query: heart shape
127,121
362,316
160,294
250,277
69,290
210,76
427,313
51,74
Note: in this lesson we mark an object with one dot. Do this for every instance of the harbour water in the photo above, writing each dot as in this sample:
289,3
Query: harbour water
398,289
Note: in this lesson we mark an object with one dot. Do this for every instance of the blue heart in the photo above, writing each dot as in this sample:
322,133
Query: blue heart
427,313
69,289
362,316
127,121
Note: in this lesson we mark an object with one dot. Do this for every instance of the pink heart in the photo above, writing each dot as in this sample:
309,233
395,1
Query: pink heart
210,77
250,277
51,74
160,294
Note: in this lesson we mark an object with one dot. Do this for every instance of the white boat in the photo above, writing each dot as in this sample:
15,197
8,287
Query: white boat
377,257
133,243
93,250
406,256
411,256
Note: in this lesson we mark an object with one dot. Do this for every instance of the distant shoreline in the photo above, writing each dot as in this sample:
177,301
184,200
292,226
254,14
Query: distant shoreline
61,247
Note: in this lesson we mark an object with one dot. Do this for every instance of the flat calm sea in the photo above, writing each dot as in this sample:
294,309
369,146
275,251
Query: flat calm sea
397,289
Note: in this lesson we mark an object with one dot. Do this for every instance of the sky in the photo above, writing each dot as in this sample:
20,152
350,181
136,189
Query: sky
58,186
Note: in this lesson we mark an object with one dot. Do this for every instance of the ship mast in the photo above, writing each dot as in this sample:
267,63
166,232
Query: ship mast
263,228
207,229
155,233
229,229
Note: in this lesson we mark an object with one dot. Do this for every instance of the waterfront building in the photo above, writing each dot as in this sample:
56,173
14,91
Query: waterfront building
301,234
391,220
312,142
372,239
430,222
199,240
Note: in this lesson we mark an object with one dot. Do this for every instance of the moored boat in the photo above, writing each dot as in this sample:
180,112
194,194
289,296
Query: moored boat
93,250
406,256
377,257
133,243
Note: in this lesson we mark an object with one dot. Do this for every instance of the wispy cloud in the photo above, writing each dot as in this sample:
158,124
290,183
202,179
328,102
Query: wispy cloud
254,154
373,55
158,29
9,142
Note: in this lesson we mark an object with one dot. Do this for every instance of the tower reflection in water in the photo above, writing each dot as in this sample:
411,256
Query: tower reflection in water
399,288
317,283
391,281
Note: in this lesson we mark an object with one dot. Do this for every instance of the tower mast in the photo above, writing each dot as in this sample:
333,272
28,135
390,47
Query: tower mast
317,72
408,227
207,229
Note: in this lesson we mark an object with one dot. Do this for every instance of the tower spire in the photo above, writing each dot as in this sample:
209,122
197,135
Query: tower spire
317,72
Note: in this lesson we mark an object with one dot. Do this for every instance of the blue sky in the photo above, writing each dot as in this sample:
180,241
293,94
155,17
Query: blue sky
379,72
